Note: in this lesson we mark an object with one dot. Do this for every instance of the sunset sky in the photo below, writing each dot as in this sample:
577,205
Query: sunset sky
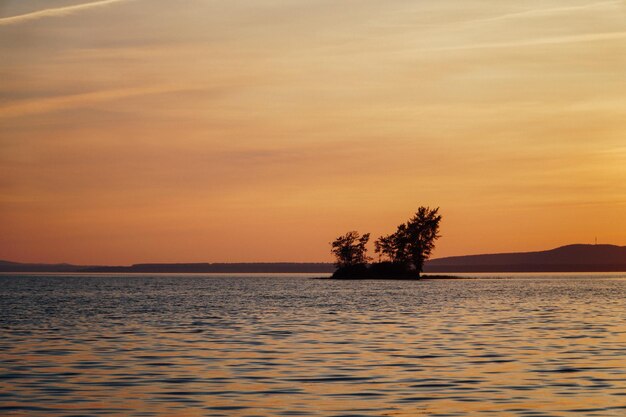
220,130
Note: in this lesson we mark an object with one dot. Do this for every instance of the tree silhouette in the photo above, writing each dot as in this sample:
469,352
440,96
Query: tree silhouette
413,241
386,246
350,249
405,251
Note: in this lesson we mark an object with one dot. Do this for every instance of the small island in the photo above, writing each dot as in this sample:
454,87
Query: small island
401,255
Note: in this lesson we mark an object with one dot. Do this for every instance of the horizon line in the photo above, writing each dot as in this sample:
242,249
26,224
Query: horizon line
283,262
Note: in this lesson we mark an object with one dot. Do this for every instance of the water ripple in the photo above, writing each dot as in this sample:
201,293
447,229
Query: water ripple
291,346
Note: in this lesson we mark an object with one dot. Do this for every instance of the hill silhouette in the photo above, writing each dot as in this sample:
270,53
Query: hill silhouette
570,258
8,266
253,267
257,267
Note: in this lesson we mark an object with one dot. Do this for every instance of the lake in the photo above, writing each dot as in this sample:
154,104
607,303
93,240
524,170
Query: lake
288,345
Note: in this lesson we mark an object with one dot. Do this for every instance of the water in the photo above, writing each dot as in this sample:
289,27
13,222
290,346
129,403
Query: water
194,345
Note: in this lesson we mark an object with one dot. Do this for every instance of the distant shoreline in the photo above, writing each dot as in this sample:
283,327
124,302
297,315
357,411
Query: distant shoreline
570,258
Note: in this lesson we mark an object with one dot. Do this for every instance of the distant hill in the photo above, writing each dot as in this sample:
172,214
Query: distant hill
571,258
270,267
6,266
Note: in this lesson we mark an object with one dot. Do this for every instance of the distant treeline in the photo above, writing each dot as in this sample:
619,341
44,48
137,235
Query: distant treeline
181,268
273,267
571,258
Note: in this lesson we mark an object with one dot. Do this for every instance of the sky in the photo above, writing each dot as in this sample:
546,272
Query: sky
232,131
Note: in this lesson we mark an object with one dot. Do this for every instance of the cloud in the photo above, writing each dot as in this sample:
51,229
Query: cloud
55,12
557,40
543,12
45,105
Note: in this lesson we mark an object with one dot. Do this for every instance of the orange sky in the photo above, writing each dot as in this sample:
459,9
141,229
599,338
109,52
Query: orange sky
138,131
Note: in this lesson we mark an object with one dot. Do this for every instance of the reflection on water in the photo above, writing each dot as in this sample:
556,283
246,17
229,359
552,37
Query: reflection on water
292,346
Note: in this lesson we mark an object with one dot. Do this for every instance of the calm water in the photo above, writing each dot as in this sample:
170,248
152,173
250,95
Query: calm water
191,345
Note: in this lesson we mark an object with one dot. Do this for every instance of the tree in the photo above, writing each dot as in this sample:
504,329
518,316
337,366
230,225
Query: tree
350,249
388,246
413,241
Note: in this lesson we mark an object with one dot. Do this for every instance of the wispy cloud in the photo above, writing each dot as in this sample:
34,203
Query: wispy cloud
556,40
45,105
544,12
55,12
